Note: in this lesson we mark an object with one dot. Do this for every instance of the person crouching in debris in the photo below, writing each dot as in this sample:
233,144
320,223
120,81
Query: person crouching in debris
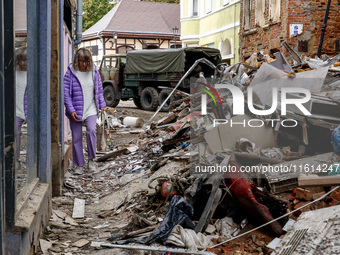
83,97
21,97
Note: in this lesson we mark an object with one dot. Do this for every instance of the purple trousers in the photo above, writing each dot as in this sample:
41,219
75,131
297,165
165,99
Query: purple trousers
77,139
19,122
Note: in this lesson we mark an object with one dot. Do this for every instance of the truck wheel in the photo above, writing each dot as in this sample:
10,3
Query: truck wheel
162,96
149,99
137,102
110,96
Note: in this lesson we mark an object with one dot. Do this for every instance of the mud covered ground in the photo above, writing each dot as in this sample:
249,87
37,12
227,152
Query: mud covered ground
102,192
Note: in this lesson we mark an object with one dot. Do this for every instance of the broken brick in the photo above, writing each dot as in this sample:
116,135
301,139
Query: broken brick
318,195
335,195
304,194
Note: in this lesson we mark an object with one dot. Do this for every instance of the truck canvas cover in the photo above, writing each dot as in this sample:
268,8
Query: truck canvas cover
164,60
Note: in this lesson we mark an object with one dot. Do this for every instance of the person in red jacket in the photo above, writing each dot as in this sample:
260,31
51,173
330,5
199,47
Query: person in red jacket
83,99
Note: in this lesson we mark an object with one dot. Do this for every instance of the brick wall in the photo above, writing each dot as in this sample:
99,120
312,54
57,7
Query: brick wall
333,25
309,13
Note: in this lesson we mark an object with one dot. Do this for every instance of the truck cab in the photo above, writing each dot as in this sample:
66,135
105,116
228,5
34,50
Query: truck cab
112,74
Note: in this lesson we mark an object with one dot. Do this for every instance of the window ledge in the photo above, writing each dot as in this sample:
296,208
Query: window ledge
266,27
36,202
250,32
277,22
22,198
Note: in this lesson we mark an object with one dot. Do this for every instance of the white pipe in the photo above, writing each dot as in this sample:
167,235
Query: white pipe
160,249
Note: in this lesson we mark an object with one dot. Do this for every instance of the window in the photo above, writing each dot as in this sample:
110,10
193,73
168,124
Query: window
274,10
226,2
28,74
195,8
208,6
337,45
259,15
246,14
226,48
93,49
211,45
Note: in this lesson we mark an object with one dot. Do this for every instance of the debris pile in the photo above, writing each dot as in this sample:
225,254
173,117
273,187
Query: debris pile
219,175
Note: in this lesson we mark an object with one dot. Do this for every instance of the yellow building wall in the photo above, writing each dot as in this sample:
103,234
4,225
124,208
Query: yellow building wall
213,28
190,27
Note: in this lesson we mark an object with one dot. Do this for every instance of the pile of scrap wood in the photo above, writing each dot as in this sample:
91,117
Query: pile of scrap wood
237,172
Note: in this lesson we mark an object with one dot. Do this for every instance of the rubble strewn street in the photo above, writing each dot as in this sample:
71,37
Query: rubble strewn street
220,182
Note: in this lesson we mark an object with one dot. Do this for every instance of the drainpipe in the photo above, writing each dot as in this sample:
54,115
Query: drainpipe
323,29
79,22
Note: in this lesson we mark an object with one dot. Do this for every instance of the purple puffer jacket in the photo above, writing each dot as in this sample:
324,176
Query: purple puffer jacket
25,103
73,93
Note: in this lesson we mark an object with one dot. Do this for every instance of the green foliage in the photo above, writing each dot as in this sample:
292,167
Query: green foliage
94,10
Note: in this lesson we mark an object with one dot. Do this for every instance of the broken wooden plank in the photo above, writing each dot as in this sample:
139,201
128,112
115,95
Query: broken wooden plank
211,205
168,119
106,214
80,243
78,208
141,231
113,154
178,102
137,131
176,140
315,180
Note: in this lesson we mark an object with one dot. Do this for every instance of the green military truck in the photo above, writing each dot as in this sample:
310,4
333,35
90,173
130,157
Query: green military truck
148,76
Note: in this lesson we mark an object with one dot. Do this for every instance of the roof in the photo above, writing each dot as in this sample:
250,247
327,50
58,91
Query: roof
137,17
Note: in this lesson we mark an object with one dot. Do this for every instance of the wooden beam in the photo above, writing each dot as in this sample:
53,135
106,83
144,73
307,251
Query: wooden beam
113,154
315,180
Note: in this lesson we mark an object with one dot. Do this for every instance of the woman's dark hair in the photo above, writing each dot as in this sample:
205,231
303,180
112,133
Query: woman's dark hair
88,57
20,54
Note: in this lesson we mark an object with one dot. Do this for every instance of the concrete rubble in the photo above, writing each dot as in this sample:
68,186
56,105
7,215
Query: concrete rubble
129,196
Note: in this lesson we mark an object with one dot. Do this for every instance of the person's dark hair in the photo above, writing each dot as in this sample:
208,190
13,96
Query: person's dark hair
20,54
88,57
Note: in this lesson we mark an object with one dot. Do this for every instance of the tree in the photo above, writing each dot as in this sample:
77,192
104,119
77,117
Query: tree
94,10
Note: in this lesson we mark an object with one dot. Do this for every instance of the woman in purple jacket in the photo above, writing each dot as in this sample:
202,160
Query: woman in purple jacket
83,97
21,97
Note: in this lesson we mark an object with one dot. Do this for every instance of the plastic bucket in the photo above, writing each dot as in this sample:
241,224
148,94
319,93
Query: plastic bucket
133,122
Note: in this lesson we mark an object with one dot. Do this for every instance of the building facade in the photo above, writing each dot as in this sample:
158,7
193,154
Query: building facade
212,23
265,24
28,184
134,25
